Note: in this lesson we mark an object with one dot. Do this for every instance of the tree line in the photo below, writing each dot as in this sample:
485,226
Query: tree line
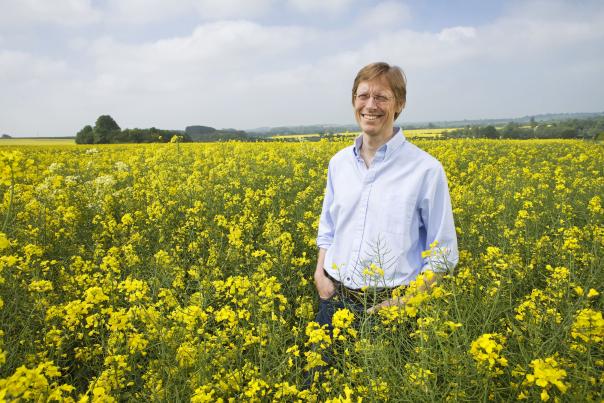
107,131
587,129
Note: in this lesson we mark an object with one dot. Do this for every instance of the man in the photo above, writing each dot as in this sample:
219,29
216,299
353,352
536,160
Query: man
386,202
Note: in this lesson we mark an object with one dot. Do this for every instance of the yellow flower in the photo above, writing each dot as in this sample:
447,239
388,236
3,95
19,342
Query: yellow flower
317,335
4,242
547,373
313,360
588,326
486,351
342,323
127,219
40,286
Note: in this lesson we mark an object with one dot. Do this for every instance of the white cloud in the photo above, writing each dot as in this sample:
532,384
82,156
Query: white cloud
218,47
237,73
21,68
321,6
385,15
60,12
223,9
146,11
457,34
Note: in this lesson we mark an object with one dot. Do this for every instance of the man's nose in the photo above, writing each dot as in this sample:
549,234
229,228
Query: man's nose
371,102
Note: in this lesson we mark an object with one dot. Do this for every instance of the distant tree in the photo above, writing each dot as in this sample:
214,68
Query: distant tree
196,130
85,136
106,122
489,132
569,133
104,129
511,130
7,136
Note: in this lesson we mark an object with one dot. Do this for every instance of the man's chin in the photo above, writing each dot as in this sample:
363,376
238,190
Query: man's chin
370,130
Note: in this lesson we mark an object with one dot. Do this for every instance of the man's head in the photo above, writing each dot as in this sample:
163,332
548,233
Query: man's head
392,76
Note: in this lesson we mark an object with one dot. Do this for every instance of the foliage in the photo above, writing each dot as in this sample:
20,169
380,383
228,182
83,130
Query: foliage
208,134
184,271
107,131
568,129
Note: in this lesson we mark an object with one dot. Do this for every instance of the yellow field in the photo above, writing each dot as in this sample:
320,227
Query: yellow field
35,142
426,133
184,272
295,136
410,133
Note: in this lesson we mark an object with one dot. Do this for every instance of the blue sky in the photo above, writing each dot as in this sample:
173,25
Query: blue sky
251,63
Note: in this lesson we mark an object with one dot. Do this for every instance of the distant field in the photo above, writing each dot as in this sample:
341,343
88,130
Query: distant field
295,136
423,133
436,132
35,142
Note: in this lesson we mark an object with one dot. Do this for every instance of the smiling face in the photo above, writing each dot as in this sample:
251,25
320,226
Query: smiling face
375,107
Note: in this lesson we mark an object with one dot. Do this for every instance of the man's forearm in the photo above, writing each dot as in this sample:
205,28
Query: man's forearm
320,262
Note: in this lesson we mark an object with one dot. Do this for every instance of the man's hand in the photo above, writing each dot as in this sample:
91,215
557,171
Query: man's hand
325,286
389,302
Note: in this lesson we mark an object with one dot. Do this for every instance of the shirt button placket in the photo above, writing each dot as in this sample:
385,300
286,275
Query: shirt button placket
362,217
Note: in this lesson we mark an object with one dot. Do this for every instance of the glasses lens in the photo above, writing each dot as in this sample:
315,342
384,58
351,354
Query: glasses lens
378,99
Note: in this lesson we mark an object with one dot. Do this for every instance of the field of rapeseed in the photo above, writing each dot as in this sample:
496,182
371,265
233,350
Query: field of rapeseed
180,272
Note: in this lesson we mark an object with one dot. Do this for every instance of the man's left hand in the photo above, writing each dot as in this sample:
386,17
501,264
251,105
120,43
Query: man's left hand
389,302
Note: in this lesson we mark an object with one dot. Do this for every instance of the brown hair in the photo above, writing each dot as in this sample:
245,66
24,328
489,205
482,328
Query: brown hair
394,75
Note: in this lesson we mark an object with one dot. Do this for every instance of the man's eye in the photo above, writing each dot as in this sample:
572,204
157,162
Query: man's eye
380,98
363,97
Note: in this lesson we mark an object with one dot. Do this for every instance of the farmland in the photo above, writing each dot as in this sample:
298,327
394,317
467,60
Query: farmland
32,141
178,272
410,133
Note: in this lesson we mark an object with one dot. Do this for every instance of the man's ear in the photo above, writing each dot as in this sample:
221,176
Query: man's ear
402,107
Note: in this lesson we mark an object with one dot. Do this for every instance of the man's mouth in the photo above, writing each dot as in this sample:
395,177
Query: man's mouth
368,116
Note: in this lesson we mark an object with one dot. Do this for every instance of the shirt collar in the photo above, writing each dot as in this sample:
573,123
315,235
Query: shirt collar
391,145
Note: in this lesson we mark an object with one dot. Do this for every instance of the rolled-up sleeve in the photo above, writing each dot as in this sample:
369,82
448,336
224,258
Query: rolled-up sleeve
437,219
326,224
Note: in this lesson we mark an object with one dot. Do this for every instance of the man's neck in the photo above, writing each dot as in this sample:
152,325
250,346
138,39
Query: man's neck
372,143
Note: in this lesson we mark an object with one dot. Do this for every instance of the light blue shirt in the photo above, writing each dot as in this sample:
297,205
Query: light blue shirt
386,215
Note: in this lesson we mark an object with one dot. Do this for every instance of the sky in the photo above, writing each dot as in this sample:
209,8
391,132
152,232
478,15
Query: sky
252,63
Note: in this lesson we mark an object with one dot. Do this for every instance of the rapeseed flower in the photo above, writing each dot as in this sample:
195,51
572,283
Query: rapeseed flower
486,351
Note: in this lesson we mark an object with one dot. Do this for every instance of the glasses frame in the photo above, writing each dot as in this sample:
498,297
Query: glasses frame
378,99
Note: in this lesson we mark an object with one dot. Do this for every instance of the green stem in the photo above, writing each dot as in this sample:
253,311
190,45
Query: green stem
10,200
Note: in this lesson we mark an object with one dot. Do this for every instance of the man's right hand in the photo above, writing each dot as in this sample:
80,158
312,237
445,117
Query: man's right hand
325,286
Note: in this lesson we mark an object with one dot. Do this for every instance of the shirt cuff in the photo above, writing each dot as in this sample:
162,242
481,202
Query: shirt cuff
323,244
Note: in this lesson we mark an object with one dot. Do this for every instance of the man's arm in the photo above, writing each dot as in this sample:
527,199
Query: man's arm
437,218
325,286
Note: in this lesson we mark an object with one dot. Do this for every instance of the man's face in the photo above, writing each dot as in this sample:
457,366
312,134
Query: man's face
375,107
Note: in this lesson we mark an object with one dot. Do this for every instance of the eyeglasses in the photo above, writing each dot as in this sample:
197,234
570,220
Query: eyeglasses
378,99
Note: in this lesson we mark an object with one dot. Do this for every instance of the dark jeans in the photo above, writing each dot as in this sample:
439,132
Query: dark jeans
328,307
355,301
